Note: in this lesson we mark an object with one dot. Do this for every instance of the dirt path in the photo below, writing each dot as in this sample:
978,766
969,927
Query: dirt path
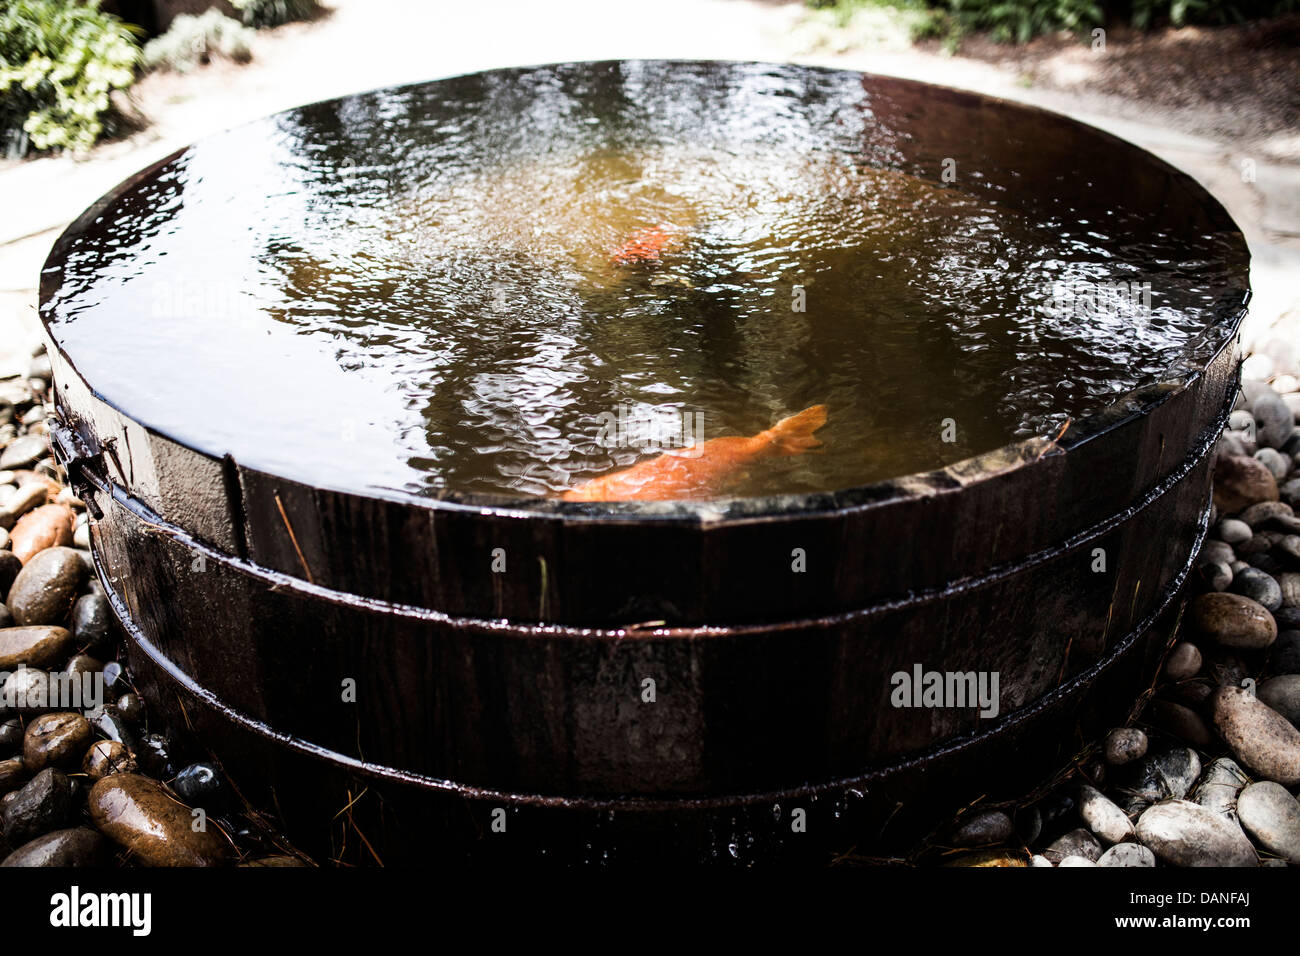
1239,84
1215,103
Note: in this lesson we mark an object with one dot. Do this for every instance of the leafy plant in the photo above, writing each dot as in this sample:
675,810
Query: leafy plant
1146,13
194,40
918,18
272,13
60,61
1021,20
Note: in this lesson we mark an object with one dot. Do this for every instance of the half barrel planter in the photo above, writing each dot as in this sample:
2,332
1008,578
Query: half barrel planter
657,681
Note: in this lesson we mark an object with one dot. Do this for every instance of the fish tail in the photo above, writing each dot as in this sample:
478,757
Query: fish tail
794,435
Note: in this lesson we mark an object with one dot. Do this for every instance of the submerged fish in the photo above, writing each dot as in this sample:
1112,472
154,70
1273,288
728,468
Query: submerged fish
705,468
644,245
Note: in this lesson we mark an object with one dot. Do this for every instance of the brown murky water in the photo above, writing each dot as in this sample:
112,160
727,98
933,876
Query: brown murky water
432,290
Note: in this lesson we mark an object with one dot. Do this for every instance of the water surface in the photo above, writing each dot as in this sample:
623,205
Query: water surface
420,289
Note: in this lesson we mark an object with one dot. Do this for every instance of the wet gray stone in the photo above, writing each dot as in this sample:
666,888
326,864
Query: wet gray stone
1272,817
73,847
110,724
1183,662
1233,620
1233,531
34,646
131,707
1124,745
1289,582
1266,514
1102,816
1241,420
1276,462
148,820
1192,693
1075,843
1218,551
46,588
1282,693
1233,445
92,621
1219,786
1260,738
12,775
978,829
24,451
1215,575
11,737
1128,855
1273,420
1183,833
43,804
27,692
1169,772
56,740
1258,586
1290,491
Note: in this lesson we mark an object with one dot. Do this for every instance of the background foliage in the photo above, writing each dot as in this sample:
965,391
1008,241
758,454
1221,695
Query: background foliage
193,40
272,13
1022,20
59,63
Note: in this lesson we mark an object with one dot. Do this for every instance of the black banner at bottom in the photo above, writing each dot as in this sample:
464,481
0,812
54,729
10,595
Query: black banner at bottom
301,906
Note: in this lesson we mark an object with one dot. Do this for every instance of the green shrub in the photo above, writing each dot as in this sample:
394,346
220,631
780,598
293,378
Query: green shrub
193,40
272,13
916,17
1147,13
1022,20
59,62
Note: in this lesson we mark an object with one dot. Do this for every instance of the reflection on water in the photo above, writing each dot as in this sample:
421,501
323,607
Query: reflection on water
456,287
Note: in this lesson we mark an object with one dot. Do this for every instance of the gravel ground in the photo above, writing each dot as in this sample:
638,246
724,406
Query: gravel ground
1209,772
1236,84
85,780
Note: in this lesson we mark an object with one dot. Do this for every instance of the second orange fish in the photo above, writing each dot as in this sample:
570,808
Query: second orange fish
644,245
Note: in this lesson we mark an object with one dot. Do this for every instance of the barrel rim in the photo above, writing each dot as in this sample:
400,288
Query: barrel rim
279,580
1226,313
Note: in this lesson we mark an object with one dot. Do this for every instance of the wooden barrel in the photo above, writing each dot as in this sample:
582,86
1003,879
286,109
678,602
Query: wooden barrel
399,675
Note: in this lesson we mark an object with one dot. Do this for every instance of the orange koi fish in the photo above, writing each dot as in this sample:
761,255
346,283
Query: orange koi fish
704,468
644,245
